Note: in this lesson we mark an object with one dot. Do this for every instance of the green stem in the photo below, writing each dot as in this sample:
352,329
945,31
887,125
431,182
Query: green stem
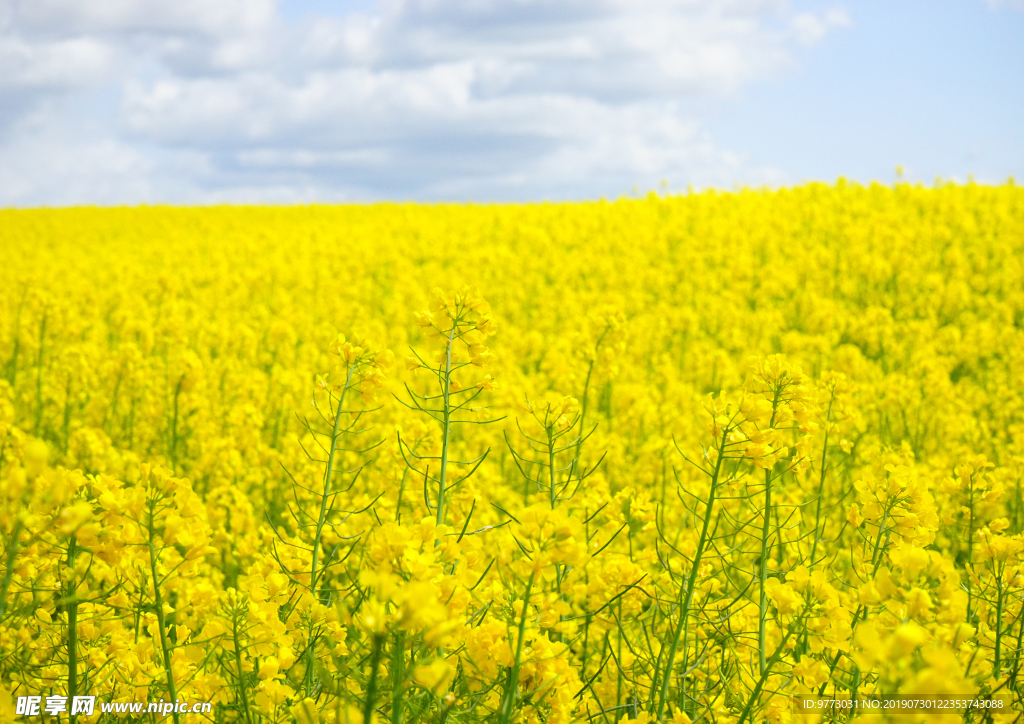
691,583
1015,669
821,480
876,561
586,640
856,684
551,467
513,674
583,402
371,687
398,679
447,381
970,549
161,623
314,575
762,616
12,552
999,624
72,607
618,668
238,663
764,677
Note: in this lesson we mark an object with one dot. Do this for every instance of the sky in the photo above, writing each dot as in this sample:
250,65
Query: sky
116,102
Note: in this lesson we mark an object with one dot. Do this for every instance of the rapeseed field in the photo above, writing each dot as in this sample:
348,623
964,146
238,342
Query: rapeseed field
721,457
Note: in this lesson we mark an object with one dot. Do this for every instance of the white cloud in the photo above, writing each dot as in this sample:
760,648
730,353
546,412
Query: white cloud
811,28
53,64
42,162
48,17
419,98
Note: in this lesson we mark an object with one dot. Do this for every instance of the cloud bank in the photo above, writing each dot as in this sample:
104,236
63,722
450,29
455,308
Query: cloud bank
128,101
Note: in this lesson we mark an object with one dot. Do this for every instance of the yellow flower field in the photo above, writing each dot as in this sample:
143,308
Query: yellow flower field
721,457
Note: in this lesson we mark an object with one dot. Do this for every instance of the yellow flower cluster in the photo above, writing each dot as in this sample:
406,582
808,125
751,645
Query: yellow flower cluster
725,454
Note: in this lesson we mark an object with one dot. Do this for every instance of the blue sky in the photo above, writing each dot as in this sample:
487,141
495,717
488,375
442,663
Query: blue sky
140,101
934,85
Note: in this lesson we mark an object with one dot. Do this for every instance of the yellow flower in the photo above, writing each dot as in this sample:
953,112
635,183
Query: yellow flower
74,516
436,676
907,638
919,603
374,617
853,516
268,668
305,712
